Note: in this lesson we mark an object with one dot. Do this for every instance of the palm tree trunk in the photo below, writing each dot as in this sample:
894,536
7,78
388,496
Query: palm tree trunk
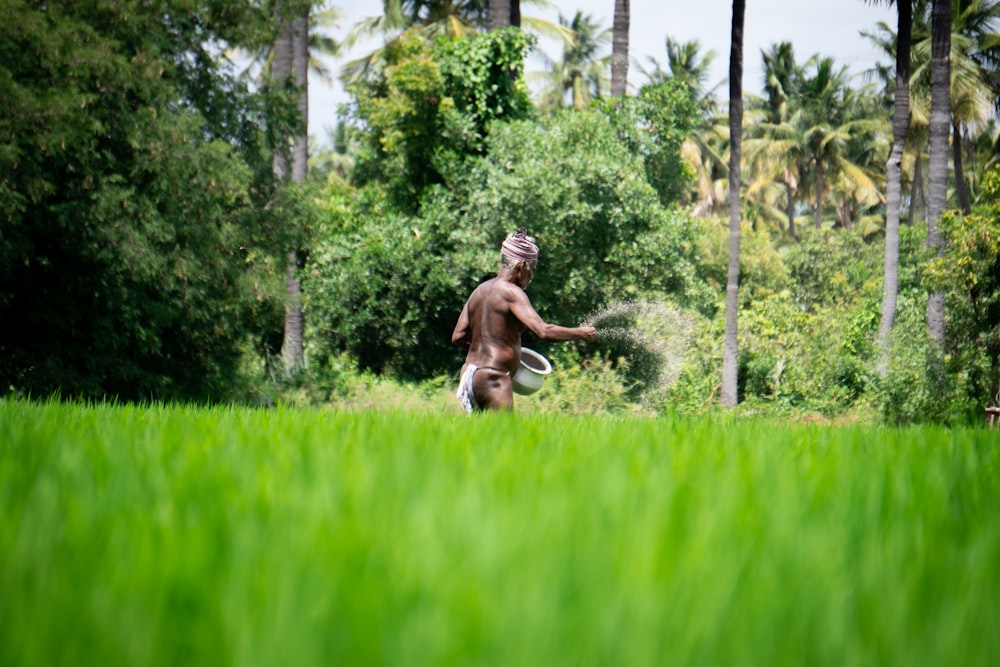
619,49
843,213
940,126
300,70
281,69
498,14
790,208
894,181
820,186
292,348
917,198
730,352
961,191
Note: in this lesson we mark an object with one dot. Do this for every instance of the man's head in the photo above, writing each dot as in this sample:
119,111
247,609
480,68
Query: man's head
519,253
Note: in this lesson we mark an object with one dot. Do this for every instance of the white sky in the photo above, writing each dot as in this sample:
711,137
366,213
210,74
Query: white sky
827,27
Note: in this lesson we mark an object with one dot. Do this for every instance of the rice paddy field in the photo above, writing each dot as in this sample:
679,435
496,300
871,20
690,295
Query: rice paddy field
153,535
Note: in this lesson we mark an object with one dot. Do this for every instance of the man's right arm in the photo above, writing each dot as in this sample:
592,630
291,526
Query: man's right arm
526,313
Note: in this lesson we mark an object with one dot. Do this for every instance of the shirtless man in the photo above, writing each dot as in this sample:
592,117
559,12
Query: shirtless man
490,328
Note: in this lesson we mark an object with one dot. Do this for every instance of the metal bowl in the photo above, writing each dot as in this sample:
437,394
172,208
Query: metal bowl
530,375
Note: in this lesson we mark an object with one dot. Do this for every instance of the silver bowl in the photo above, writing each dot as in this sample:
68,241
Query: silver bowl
530,375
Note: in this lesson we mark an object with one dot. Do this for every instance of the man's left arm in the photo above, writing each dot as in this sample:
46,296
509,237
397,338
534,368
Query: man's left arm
462,335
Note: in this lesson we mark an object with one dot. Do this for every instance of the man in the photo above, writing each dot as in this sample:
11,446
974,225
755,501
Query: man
490,328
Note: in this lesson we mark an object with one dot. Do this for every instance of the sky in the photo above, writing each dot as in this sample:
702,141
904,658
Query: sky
825,27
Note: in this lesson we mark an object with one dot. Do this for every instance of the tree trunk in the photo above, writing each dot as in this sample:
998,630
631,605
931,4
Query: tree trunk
894,182
498,14
281,69
940,126
790,208
843,213
730,352
292,348
300,70
917,199
961,190
619,49
820,186
515,13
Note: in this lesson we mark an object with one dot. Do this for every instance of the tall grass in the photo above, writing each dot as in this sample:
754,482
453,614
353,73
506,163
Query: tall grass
183,536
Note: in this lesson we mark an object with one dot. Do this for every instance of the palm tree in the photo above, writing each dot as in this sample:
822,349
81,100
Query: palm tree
973,56
778,153
730,357
839,128
292,349
776,147
894,178
823,103
290,65
619,48
497,14
440,17
320,44
582,71
974,81
940,125
280,73
686,63
706,147
286,63
918,99
503,13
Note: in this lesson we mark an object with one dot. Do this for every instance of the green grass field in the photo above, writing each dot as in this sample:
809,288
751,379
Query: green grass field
186,536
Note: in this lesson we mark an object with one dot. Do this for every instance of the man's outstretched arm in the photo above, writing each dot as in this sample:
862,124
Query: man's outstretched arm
524,311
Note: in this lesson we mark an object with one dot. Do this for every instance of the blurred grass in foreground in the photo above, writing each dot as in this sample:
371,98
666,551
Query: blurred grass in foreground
185,536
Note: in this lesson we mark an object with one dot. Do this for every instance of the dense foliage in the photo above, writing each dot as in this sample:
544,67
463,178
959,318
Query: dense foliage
141,247
569,179
131,203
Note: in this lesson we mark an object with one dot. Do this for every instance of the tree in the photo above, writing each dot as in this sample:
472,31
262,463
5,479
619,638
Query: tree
261,55
776,147
289,74
974,84
292,350
582,72
894,177
918,85
940,126
619,48
133,246
829,123
704,149
431,107
730,353
432,18
503,14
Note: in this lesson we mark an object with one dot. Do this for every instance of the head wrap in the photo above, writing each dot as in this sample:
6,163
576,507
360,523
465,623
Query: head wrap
520,247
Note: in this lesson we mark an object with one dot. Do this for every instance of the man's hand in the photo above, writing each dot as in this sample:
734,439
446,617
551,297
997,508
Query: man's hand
589,334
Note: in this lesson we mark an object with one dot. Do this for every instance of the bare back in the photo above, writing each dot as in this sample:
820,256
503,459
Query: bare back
495,334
